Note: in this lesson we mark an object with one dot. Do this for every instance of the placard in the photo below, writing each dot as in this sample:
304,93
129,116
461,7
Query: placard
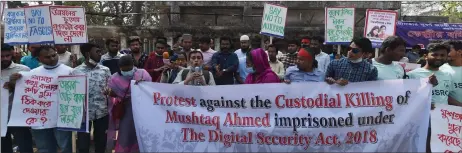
69,25
273,20
39,24
446,122
358,117
72,101
380,24
339,25
35,101
5,105
15,26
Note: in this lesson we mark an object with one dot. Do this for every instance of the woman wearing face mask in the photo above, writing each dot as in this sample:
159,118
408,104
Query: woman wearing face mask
119,85
259,68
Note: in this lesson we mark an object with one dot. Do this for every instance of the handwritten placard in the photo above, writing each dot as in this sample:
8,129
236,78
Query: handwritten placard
273,20
340,23
380,24
39,24
15,26
5,104
34,102
446,126
69,25
72,100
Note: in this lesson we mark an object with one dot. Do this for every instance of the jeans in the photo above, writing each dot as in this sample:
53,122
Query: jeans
46,140
22,137
99,134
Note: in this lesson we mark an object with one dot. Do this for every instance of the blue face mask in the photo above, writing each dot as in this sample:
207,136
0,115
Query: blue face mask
250,70
128,73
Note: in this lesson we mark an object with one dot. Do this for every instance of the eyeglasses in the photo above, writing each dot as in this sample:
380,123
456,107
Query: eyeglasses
354,50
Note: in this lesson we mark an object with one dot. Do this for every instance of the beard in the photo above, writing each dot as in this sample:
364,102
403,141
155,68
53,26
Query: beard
224,49
436,63
6,64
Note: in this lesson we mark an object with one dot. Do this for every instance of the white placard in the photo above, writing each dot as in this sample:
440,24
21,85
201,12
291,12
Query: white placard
15,26
446,122
69,25
340,23
35,101
5,103
358,117
380,24
273,20
72,101
39,24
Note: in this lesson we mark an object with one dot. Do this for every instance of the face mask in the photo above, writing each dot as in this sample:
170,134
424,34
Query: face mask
357,60
50,67
128,73
92,62
250,70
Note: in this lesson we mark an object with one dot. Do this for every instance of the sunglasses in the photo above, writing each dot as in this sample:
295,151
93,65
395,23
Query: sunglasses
354,50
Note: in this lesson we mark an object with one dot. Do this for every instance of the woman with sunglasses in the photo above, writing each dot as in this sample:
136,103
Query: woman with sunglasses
353,68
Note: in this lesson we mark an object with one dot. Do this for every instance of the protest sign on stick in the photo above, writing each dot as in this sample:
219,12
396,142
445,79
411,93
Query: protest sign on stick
446,126
72,101
5,104
69,24
39,24
35,101
15,26
380,24
356,118
339,24
273,20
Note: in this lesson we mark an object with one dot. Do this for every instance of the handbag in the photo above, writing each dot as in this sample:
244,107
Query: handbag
118,110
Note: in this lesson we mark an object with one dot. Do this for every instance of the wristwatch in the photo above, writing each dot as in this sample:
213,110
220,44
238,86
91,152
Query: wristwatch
224,70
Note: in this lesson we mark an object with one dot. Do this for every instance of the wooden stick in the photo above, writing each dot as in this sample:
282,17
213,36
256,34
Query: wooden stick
74,142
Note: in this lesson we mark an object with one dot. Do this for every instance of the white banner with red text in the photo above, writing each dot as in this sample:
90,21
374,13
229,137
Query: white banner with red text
446,129
300,117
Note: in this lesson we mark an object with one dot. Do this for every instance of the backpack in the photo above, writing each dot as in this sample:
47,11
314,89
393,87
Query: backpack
204,72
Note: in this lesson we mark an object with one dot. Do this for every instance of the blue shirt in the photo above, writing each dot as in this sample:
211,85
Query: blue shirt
228,61
30,61
413,57
353,72
295,75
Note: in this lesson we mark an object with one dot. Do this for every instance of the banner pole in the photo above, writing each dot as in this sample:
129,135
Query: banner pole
271,39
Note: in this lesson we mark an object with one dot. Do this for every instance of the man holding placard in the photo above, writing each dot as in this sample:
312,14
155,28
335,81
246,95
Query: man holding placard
47,137
97,75
22,135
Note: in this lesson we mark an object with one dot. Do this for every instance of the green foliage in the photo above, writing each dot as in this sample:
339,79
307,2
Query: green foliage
450,10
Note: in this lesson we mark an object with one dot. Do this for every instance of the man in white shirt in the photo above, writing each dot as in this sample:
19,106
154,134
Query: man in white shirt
392,49
322,58
275,64
241,54
194,75
454,68
22,135
65,57
48,138
207,52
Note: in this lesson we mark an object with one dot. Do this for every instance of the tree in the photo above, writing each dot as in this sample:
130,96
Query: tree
451,10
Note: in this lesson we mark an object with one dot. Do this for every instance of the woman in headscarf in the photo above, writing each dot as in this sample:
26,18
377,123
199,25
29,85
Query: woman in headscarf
119,85
259,68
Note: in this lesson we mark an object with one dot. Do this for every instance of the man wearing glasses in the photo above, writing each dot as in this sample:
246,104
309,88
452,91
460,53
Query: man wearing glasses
353,68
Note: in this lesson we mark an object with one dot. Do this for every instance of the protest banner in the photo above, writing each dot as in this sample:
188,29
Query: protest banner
283,118
446,125
339,25
15,26
5,105
35,101
416,33
38,24
69,24
409,66
273,20
72,101
380,24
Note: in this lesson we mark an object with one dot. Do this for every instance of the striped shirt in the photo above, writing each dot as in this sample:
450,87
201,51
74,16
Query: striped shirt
353,72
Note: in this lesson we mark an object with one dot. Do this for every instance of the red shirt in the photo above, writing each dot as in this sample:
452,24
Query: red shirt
152,63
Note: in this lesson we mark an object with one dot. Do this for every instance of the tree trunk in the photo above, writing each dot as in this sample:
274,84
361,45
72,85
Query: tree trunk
137,9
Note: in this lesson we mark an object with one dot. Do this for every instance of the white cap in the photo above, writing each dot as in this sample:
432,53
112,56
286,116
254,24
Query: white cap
244,37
